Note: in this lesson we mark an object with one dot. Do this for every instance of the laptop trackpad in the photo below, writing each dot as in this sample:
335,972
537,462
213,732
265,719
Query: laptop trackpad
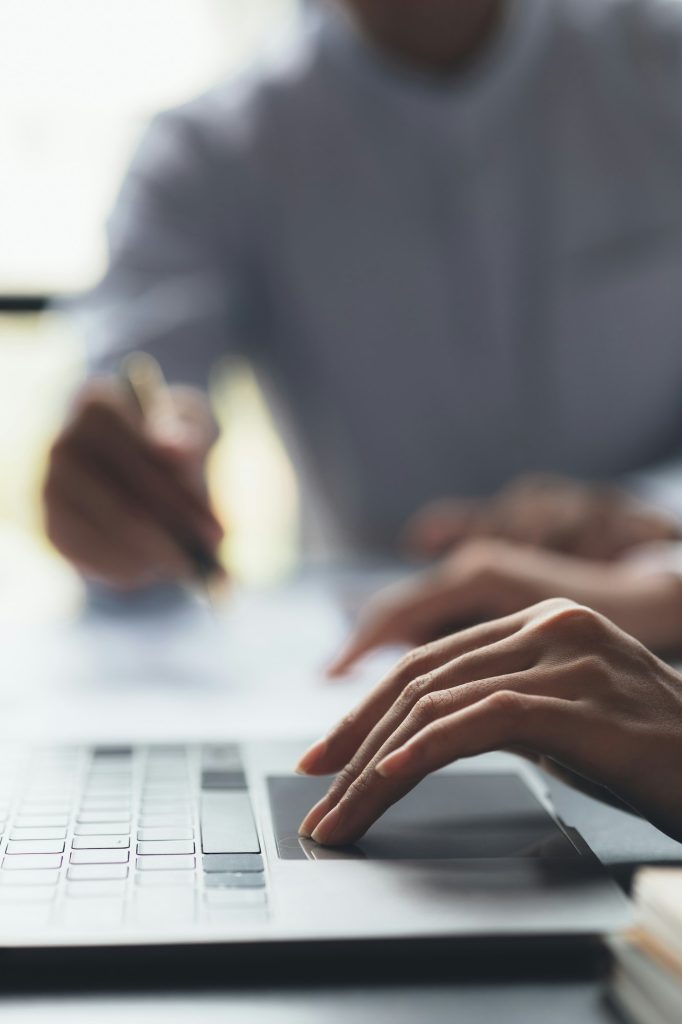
446,816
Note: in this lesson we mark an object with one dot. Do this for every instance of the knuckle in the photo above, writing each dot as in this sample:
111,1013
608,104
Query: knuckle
410,665
416,689
590,666
358,787
430,706
95,412
344,779
507,704
565,618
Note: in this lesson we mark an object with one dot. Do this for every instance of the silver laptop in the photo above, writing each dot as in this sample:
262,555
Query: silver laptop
193,845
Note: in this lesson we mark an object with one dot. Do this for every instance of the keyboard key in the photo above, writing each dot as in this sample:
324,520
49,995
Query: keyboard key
26,894
32,861
212,779
99,856
168,789
235,880
18,878
165,820
35,810
117,754
97,800
175,813
164,774
227,824
101,842
151,834
103,828
35,846
167,863
221,757
96,872
98,817
107,793
157,879
110,776
232,862
113,888
167,846
37,833
42,820
165,805
93,805
96,794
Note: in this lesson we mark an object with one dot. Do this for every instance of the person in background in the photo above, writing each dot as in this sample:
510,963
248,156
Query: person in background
448,236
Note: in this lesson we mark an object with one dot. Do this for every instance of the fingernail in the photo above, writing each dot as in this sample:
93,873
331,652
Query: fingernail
313,818
311,756
393,763
324,832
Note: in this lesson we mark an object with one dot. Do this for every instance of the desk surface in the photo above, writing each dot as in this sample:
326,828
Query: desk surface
167,669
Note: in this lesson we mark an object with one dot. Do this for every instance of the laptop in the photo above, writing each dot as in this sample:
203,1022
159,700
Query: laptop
196,846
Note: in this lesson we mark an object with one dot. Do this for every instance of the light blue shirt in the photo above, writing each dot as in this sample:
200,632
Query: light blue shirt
442,283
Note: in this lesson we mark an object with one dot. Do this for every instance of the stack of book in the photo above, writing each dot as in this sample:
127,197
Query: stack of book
647,979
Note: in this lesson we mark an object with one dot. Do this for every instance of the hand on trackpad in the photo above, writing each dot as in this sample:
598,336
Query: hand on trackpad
461,816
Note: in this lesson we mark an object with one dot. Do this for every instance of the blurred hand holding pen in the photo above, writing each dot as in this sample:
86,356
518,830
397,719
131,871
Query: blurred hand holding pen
125,496
183,432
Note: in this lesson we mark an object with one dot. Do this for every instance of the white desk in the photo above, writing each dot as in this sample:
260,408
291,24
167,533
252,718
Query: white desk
170,668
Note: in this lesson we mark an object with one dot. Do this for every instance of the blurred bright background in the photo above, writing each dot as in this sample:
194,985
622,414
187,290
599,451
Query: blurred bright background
79,80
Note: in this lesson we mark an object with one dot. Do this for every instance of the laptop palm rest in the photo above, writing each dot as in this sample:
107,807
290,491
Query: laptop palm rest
458,816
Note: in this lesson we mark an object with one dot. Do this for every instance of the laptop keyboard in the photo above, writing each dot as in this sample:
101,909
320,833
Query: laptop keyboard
151,836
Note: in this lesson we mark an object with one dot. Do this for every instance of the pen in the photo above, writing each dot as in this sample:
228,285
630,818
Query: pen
146,387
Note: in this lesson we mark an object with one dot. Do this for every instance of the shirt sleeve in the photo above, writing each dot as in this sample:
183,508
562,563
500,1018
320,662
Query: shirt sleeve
175,280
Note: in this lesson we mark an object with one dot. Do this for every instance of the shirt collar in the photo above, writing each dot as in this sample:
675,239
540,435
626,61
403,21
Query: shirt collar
494,79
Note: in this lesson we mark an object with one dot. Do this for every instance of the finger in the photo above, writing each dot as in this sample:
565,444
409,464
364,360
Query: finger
183,429
453,685
126,539
411,613
440,525
359,775
501,719
109,435
332,752
156,485
89,549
